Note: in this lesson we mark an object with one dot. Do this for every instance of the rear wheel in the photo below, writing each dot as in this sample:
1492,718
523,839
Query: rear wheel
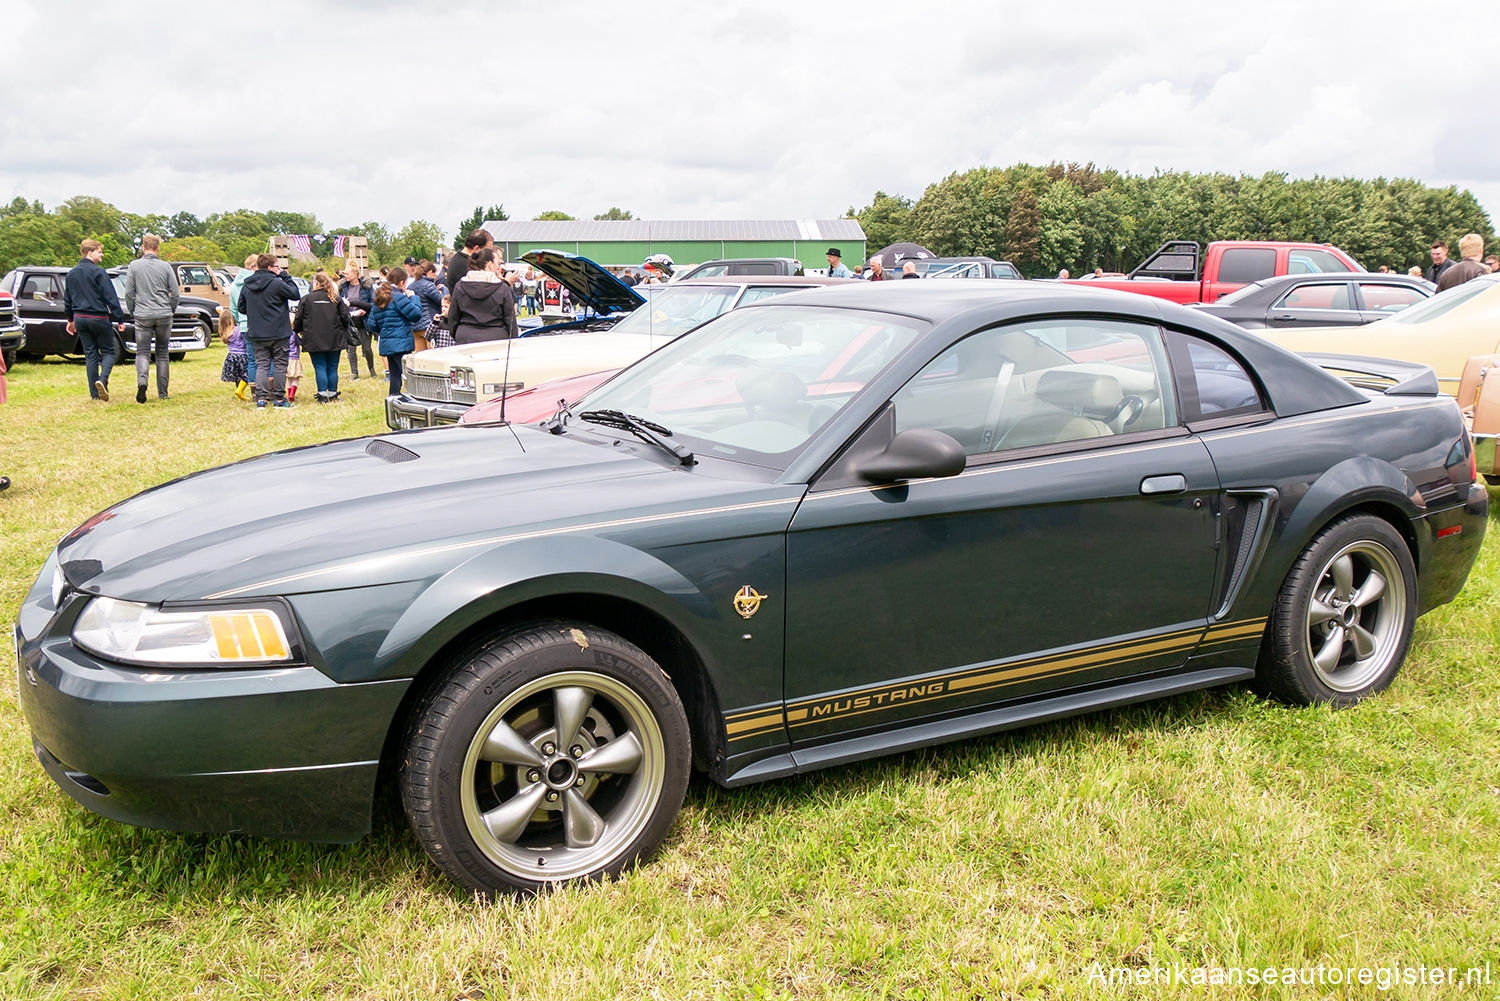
1344,618
10,356
555,754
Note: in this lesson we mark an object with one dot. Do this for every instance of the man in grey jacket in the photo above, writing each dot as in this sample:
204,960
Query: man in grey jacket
151,295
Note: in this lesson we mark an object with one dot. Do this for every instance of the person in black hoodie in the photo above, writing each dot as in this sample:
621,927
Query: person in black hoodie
263,302
323,321
90,301
482,306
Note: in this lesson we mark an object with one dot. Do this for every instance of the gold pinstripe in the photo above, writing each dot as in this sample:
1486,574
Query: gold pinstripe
755,722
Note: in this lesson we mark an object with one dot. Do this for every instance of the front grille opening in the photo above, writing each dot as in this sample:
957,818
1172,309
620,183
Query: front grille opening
86,781
83,780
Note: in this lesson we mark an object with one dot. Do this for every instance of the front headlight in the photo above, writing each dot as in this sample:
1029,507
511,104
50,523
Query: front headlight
146,634
461,378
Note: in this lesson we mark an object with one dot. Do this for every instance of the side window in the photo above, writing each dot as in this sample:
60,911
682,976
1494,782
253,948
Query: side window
1211,382
755,268
194,276
1329,295
1247,264
711,271
1389,298
758,292
41,287
1046,383
1313,262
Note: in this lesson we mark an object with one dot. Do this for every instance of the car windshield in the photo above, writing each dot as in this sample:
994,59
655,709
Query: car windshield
1240,293
673,309
1444,302
757,383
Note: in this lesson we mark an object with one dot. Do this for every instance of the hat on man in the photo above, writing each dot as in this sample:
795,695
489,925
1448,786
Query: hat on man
835,252
411,260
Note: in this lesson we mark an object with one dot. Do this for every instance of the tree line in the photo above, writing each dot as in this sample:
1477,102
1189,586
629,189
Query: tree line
1043,219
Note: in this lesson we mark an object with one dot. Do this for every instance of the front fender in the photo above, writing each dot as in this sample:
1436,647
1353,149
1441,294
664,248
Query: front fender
520,571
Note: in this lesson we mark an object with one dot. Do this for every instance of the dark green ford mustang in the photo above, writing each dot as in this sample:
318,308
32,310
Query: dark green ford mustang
835,525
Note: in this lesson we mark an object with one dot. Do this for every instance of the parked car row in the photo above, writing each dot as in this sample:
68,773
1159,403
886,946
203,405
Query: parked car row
37,294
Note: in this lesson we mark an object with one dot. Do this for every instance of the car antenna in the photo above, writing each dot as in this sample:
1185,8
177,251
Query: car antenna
505,379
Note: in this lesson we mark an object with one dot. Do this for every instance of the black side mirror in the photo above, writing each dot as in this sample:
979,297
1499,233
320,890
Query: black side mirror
915,454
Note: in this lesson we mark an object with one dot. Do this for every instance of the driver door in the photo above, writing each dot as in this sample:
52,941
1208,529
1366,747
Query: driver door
1076,549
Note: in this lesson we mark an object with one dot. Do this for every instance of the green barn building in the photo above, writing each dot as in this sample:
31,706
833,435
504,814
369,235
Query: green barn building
628,242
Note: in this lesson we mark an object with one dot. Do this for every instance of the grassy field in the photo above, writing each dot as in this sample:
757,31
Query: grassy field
1210,831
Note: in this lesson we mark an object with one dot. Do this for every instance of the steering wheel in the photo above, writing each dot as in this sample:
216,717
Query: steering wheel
1130,408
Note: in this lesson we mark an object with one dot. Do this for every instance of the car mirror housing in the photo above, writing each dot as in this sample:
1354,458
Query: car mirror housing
915,454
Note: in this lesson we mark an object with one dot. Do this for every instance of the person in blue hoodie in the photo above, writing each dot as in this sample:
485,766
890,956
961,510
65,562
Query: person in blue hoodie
90,301
264,302
430,298
395,314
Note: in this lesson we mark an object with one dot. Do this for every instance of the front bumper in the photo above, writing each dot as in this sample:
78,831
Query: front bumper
13,337
280,752
404,411
190,337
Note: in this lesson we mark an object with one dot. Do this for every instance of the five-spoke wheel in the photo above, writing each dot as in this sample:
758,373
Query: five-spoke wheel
555,754
1344,618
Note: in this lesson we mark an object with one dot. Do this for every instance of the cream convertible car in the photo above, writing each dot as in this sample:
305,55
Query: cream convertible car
1455,333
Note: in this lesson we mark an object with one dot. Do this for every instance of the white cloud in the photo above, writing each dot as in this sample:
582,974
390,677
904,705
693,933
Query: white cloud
387,111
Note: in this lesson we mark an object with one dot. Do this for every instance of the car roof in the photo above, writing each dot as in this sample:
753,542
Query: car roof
795,281
1341,276
956,307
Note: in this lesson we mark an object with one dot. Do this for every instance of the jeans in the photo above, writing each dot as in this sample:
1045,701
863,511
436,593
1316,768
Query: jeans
270,370
249,360
326,370
149,333
364,342
394,370
97,338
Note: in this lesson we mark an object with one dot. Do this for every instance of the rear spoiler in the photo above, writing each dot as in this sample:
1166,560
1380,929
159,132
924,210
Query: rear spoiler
1384,375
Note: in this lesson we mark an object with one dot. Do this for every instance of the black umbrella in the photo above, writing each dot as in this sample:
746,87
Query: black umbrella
899,252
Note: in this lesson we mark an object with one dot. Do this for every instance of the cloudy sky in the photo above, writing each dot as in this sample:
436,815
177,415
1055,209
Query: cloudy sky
363,109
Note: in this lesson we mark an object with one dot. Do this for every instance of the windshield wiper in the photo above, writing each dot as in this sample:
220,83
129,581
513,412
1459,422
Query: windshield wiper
558,422
643,429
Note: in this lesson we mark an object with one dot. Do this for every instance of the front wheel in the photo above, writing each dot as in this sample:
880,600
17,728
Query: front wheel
556,754
1344,619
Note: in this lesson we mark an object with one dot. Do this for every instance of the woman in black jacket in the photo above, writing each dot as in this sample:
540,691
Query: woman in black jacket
482,306
322,320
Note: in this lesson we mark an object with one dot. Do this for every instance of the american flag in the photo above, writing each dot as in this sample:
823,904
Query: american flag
338,245
301,244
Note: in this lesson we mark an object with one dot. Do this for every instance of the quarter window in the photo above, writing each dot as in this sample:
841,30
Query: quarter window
1050,383
1389,298
1213,383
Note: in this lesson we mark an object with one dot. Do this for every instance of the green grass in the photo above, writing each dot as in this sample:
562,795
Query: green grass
1206,830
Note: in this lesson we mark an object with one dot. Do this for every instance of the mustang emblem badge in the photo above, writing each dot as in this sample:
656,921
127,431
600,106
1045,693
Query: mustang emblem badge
747,601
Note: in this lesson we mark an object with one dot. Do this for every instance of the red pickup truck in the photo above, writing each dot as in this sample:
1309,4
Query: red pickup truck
1173,271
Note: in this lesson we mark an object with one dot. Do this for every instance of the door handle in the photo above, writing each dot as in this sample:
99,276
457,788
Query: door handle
1171,483
1284,316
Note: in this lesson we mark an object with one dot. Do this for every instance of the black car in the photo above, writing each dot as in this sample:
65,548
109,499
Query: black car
1322,300
38,292
831,525
743,266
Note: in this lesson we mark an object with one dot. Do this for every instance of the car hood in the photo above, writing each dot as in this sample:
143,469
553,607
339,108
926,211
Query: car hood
369,511
587,281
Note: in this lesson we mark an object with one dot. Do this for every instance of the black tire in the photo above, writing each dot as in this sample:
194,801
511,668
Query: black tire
1493,481
10,356
176,355
1344,618
535,812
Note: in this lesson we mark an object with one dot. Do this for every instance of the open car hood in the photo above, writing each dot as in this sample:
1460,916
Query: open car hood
588,282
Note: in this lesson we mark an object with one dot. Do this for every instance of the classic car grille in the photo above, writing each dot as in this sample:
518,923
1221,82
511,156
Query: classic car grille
8,313
464,396
428,387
